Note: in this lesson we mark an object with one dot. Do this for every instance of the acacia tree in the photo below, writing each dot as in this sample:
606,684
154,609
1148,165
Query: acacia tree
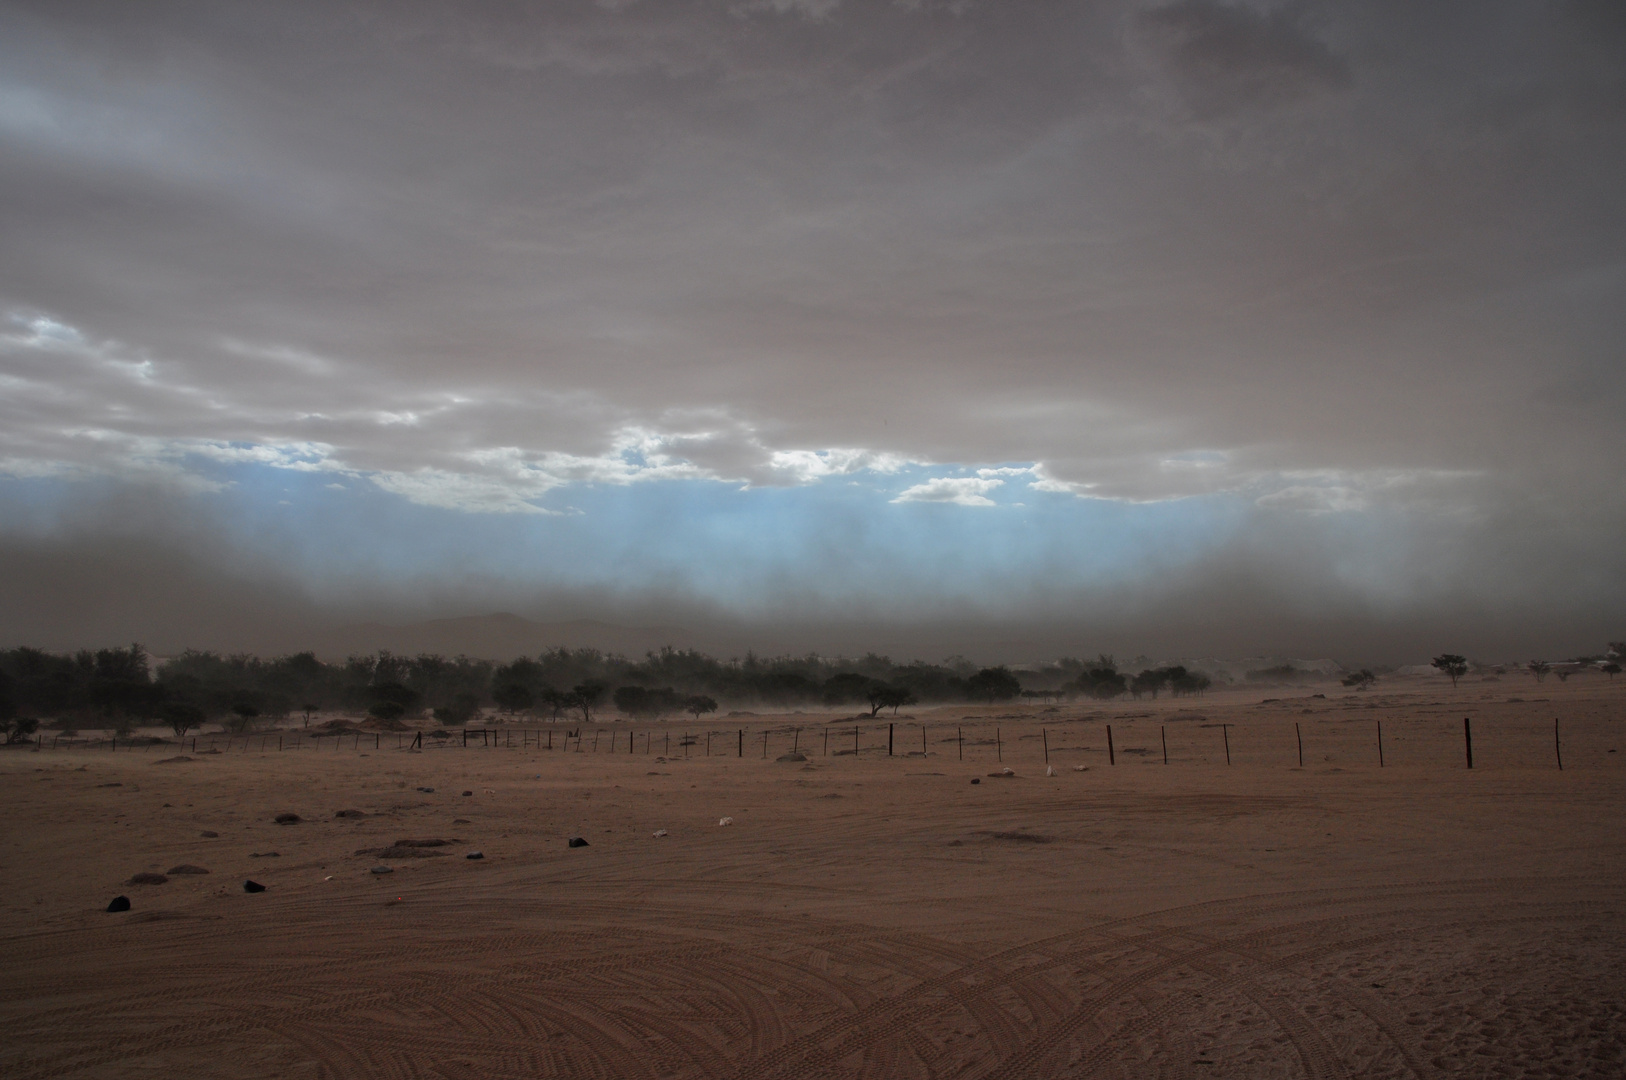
1361,679
1611,669
1453,665
513,696
893,697
586,696
182,716
1539,668
698,704
994,684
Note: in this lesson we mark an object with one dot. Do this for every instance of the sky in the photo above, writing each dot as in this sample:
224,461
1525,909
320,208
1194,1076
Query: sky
1176,328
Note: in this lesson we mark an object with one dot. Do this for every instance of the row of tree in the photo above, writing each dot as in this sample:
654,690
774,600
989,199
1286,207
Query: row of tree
118,688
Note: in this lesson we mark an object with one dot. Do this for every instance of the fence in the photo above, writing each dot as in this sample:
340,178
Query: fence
1261,743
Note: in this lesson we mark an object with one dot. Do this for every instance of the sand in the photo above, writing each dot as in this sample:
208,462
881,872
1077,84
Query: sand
862,916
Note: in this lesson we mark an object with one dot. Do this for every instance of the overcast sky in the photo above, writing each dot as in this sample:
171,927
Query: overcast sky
1146,326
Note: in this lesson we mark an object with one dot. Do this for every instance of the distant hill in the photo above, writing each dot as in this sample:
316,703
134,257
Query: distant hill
501,636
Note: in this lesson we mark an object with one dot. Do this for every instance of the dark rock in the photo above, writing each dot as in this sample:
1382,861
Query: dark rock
348,813
974,780
187,868
147,879
208,834
468,793
427,790
475,855
172,760
253,886
119,903
383,870
265,854
396,851
288,819
461,821
576,841
794,755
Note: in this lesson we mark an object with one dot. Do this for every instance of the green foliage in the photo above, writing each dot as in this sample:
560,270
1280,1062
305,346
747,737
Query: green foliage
1102,680
882,696
1452,665
181,716
1361,679
646,703
459,711
18,728
993,684
386,710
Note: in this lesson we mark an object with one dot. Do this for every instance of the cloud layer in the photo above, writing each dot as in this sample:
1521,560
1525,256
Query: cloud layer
1358,269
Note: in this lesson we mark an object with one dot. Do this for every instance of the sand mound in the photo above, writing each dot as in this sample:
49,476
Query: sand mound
147,879
187,868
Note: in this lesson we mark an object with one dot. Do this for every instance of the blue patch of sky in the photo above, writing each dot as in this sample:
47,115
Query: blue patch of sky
839,544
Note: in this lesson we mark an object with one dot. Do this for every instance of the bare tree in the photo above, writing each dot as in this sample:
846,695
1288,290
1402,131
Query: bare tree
1539,668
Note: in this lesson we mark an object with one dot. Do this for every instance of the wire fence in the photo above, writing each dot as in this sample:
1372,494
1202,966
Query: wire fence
1586,742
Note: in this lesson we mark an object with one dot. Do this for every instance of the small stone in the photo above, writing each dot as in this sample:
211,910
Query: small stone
147,879
468,793
288,819
974,780
427,790
208,835
348,814
576,841
383,869
460,821
475,855
253,886
1081,768
660,832
119,903
725,821
187,868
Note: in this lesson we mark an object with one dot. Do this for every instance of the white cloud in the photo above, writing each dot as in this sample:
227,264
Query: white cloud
960,490
806,466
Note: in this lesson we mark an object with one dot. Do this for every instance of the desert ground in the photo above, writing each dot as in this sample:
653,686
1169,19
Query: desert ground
863,915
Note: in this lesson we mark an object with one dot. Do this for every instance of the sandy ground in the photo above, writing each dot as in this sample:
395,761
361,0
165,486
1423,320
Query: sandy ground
862,916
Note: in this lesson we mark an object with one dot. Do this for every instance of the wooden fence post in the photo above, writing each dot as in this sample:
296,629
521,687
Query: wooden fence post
1112,756
1045,735
1380,744
1299,735
1468,741
1163,733
1225,733
889,740
1558,751
999,744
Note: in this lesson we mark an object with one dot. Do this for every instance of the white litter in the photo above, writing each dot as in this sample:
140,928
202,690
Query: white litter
328,878
1050,770
1008,771
1081,768
726,821
660,832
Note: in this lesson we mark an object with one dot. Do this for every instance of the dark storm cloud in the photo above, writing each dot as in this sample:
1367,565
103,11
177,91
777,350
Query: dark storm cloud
1331,258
